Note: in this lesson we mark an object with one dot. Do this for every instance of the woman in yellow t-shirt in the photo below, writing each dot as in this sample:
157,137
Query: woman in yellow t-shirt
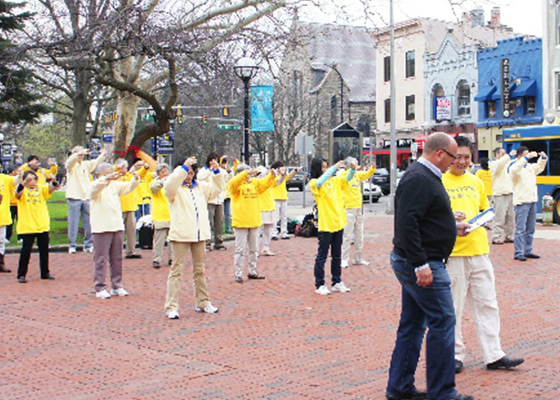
33,222
327,189
485,175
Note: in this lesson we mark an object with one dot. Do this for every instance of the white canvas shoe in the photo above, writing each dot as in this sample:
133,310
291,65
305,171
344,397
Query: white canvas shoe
173,314
119,292
361,262
104,294
340,287
210,309
323,290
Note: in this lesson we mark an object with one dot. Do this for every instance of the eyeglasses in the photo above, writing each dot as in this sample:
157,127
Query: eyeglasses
449,154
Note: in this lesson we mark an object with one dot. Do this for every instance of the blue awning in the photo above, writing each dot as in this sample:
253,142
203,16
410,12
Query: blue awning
527,88
485,93
498,94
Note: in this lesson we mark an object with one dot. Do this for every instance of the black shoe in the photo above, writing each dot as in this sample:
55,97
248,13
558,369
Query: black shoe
170,262
220,247
22,279
255,276
286,238
505,363
49,277
532,255
156,265
133,256
460,396
458,366
274,238
238,279
412,395
520,258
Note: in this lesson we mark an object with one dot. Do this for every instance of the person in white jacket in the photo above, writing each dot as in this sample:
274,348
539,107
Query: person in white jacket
525,197
108,228
190,229
78,195
502,192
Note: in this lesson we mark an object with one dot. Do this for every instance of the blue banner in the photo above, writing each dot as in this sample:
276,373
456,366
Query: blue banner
261,109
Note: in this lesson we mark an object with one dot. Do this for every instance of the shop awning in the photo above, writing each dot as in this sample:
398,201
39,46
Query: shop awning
386,151
498,94
485,93
527,88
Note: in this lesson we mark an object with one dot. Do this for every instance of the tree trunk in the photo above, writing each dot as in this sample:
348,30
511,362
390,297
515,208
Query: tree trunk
81,105
127,114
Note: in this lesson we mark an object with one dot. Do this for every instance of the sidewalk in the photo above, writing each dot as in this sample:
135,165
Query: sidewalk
272,339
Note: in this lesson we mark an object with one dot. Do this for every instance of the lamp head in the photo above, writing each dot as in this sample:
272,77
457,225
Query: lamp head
246,68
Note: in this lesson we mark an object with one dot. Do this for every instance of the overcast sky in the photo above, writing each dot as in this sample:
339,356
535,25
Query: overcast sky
524,16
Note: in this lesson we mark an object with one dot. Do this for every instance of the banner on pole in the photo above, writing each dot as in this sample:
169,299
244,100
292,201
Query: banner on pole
261,109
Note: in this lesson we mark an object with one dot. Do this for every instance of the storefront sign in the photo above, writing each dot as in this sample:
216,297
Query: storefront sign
443,108
506,112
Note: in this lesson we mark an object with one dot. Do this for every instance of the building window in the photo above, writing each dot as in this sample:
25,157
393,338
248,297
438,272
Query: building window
531,104
387,111
334,110
491,109
387,69
437,91
409,64
512,104
464,99
410,108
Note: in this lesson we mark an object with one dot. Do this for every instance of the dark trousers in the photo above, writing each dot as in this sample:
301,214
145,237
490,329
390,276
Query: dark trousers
423,307
334,241
10,228
43,244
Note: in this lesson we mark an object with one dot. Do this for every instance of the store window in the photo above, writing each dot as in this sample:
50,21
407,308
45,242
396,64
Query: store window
410,108
463,99
409,67
490,109
531,104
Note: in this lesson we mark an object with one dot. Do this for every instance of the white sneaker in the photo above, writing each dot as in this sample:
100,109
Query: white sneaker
323,290
88,250
340,287
104,294
173,314
210,309
119,292
344,264
267,253
71,250
361,262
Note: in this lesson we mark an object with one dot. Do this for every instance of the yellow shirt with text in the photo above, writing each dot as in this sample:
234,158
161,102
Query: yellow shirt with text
467,194
353,196
330,205
33,214
245,199
485,175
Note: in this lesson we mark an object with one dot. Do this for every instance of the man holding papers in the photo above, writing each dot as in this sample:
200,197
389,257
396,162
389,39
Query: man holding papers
469,266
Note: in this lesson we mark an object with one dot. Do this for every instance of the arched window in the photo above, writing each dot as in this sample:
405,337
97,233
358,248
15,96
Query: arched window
463,99
437,91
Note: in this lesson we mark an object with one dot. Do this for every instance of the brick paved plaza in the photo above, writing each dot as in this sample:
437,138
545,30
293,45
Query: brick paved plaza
272,339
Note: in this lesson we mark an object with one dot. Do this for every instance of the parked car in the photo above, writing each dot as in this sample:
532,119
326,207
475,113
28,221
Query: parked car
381,179
371,189
298,181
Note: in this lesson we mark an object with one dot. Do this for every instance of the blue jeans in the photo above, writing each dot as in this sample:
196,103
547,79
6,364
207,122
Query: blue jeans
227,215
423,307
525,221
334,241
138,213
75,208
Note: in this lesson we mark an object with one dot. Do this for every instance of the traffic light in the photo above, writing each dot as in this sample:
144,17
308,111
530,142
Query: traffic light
205,119
225,112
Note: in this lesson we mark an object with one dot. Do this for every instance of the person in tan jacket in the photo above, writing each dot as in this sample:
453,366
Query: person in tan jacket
189,230
108,228
525,197
78,192
502,192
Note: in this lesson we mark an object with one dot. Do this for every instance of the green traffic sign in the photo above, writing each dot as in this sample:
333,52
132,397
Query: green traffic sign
229,127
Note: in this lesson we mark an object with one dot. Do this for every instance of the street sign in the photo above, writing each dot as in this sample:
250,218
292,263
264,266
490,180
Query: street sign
229,127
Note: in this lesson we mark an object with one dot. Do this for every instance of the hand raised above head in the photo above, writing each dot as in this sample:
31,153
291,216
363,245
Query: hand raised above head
189,162
214,165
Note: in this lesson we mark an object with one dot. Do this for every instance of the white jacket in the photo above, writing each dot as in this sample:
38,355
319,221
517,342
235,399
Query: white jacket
205,175
78,176
188,208
524,178
106,212
501,180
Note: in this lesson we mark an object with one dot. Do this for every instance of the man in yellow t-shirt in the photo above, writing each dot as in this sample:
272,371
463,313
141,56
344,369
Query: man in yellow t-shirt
469,266
160,215
280,193
43,175
129,205
33,222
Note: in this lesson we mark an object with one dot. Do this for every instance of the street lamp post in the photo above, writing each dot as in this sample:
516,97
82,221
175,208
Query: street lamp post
246,69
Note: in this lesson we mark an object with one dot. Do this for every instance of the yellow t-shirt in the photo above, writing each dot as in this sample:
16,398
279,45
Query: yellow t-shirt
160,202
485,175
41,172
33,214
7,190
330,205
267,199
245,199
280,192
353,196
467,194
129,201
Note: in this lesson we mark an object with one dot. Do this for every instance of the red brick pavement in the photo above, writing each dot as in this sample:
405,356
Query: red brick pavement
272,339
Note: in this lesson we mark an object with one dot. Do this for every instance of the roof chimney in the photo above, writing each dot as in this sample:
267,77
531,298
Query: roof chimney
495,17
477,17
